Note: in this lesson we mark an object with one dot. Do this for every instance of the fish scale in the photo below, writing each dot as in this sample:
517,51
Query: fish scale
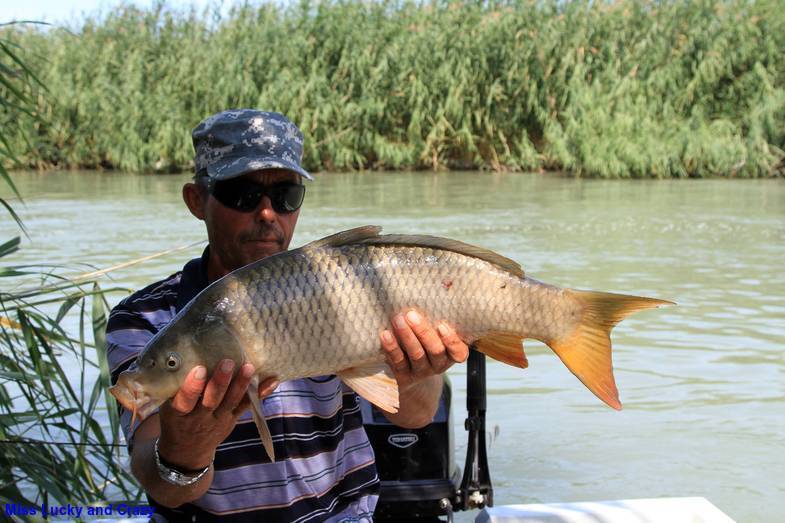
319,309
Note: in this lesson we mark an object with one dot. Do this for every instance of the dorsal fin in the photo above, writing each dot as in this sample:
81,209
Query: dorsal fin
356,235
369,234
447,244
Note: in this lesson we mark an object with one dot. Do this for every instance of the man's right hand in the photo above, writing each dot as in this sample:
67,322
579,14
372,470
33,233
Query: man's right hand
203,413
190,426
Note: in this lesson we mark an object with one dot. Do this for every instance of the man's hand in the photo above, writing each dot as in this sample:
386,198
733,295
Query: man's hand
189,428
203,413
418,354
417,351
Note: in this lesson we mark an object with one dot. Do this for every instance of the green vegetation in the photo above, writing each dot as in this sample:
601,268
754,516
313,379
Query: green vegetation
613,89
52,446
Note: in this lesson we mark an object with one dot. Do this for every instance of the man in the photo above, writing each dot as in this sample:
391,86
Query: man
199,457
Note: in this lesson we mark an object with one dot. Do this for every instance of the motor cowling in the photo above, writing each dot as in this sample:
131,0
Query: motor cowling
416,466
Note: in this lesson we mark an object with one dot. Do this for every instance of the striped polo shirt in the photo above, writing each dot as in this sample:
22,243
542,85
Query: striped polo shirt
325,469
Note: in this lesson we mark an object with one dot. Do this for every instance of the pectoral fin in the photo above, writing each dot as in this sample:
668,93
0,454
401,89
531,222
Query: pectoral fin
374,383
258,418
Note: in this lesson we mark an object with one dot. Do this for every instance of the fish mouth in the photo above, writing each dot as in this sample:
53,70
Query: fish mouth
133,397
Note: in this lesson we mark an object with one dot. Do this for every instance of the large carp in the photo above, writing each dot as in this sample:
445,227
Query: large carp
318,310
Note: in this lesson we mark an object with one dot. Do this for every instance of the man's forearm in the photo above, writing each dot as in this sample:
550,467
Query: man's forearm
418,403
144,468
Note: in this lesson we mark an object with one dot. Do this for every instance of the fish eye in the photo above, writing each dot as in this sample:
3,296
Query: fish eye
172,361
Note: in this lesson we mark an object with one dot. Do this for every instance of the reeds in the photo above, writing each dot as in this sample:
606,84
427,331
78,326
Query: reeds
53,369
613,89
53,393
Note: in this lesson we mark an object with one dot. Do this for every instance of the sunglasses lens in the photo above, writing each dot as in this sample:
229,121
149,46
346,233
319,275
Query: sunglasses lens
287,197
244,196
237,194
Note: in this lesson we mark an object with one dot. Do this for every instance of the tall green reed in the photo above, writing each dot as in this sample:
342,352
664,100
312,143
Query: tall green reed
626,88
53,370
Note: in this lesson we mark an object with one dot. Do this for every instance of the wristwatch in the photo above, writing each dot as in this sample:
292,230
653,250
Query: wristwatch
172,475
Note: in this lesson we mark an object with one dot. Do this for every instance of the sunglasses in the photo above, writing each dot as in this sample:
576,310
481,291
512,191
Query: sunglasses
245,196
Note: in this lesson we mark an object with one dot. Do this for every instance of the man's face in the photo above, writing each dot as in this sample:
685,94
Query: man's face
238,238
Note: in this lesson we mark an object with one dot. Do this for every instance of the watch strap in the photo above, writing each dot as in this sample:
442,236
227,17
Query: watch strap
173,475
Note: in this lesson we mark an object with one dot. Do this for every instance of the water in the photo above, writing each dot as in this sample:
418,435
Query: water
703,384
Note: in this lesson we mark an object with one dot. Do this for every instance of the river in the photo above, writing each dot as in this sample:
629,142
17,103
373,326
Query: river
703,383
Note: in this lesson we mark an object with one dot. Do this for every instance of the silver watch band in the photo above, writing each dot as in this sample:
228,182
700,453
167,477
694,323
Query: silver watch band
174,476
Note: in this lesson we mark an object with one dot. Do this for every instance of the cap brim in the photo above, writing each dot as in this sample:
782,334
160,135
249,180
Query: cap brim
227,169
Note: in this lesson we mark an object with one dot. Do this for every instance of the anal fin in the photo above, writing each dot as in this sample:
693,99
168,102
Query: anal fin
506,347
258,418
375,383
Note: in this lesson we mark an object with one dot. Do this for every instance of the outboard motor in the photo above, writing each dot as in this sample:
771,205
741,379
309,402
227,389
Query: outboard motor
420,481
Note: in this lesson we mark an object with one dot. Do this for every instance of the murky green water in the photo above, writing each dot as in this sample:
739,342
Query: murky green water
703,384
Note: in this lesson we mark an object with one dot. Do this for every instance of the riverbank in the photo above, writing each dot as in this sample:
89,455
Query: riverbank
621,89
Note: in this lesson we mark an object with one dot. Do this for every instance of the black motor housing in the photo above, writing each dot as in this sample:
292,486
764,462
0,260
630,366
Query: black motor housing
416,466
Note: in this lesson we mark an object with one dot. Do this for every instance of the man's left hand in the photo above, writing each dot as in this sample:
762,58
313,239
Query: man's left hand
417,350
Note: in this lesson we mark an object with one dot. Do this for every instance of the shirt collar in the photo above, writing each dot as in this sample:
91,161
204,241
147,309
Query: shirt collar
193,279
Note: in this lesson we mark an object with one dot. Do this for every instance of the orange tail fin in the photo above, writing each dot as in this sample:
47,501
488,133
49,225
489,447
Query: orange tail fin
587,350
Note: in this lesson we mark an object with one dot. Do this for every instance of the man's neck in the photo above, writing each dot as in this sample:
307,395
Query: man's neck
215,269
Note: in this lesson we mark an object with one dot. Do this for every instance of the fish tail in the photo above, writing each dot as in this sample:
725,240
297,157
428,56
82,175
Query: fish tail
586,351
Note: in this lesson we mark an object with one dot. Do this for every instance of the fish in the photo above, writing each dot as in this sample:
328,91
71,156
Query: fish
319,309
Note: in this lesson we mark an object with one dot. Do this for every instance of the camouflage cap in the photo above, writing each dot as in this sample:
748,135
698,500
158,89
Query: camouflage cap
238,141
